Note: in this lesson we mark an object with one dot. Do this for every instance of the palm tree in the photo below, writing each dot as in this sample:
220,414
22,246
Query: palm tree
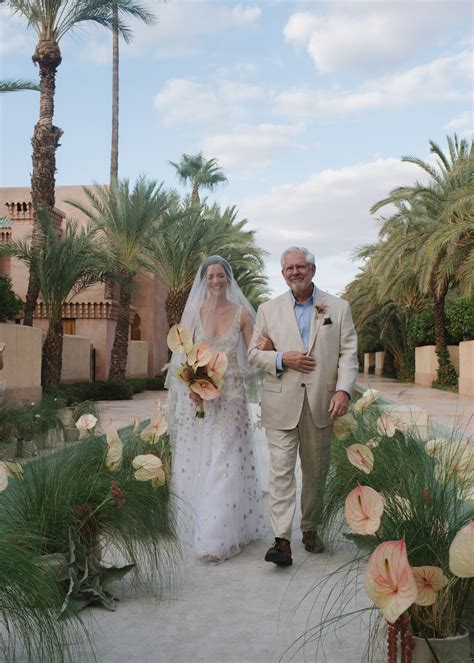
51,20
148,18
199,172
127,220
17,85
69,263
431,233
188,234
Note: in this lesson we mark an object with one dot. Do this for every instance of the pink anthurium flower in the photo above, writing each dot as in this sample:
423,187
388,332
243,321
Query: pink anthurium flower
429,580
149,468
461,552
179,340
205,389
156,428
199,355
386,426
361,457
3,477
363,508
114,451
217,365
389,580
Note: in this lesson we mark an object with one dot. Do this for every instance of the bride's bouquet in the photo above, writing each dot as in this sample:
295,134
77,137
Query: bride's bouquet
203,369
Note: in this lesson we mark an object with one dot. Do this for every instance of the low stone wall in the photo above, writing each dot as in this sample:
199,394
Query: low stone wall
426,363
369,360
466,368
379,357
137,360
76,359
21,361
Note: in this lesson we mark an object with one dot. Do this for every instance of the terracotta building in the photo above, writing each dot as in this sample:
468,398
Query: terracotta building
92,314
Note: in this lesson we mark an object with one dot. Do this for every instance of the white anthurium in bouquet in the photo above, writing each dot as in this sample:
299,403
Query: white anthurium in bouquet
113,458
179,340
149,468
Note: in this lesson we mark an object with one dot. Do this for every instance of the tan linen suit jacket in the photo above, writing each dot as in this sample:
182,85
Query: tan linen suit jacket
333,344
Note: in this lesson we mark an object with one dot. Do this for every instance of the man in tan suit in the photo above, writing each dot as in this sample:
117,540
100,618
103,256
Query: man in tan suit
310,373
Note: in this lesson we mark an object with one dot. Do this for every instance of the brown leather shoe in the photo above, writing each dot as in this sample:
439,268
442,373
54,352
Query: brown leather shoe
279,553
312,542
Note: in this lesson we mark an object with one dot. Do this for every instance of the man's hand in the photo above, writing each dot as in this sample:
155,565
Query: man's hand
264,343
338,405
298,361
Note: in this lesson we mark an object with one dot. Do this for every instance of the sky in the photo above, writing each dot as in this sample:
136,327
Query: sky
307,106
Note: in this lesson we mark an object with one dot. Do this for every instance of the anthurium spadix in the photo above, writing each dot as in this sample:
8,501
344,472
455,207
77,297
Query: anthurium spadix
179,339
363,509
389,579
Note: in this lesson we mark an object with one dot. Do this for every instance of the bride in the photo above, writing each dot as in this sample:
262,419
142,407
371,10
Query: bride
214,462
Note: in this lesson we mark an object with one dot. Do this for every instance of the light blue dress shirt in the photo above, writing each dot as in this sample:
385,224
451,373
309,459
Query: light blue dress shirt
303,315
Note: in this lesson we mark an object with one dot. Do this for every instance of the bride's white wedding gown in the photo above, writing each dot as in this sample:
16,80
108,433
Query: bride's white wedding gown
215,474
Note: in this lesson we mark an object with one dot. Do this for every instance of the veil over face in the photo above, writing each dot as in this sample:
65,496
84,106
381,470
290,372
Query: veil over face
213,297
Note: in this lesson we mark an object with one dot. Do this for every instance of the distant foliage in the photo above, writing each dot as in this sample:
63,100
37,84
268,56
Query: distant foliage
421,328
10,304
460,320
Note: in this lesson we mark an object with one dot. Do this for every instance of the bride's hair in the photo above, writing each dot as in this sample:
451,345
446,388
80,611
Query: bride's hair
216,260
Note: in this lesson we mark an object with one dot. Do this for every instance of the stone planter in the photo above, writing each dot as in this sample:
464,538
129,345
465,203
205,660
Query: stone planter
9,450
455,649
28,449
71,433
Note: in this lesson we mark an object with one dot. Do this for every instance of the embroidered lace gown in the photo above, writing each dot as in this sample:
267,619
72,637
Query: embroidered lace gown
215,479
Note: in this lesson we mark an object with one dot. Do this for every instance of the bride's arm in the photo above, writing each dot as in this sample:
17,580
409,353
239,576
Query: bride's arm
246,326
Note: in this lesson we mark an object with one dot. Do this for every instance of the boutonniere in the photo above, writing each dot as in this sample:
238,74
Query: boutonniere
320,309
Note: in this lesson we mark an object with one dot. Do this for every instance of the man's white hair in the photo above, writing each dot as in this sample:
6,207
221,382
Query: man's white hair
298,249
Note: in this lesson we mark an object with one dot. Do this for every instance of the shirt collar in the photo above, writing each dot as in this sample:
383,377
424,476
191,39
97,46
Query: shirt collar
311,300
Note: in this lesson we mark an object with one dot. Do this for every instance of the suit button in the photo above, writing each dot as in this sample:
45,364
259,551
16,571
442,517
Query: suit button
303,384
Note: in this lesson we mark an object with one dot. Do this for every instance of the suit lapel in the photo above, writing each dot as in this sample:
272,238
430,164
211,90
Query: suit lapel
289,313
317,318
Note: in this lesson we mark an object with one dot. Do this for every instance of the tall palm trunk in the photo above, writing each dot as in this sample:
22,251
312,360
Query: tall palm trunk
195,195
45,142
119,353
440,321
115,98
52,355
174,305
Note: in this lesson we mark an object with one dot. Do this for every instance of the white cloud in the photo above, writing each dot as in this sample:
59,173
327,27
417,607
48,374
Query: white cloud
247,15
182,100
15,36
444,79
464,122
251,147
373,35
328,213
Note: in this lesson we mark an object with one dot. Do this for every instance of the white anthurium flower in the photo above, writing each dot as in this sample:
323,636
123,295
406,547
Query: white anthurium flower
3,477
367,398
114,451
461,552
344,426
86,422
149,468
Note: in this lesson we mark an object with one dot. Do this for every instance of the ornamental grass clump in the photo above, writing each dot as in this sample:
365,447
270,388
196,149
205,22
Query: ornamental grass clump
68,513
408,506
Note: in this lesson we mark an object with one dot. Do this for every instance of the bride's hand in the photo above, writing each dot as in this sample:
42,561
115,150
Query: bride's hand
264,343
196,399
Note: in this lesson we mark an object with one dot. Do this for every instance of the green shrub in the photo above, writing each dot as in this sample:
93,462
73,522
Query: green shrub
31,420
91,391
10,304
137,384
447,378
156,384
460,319
421,328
